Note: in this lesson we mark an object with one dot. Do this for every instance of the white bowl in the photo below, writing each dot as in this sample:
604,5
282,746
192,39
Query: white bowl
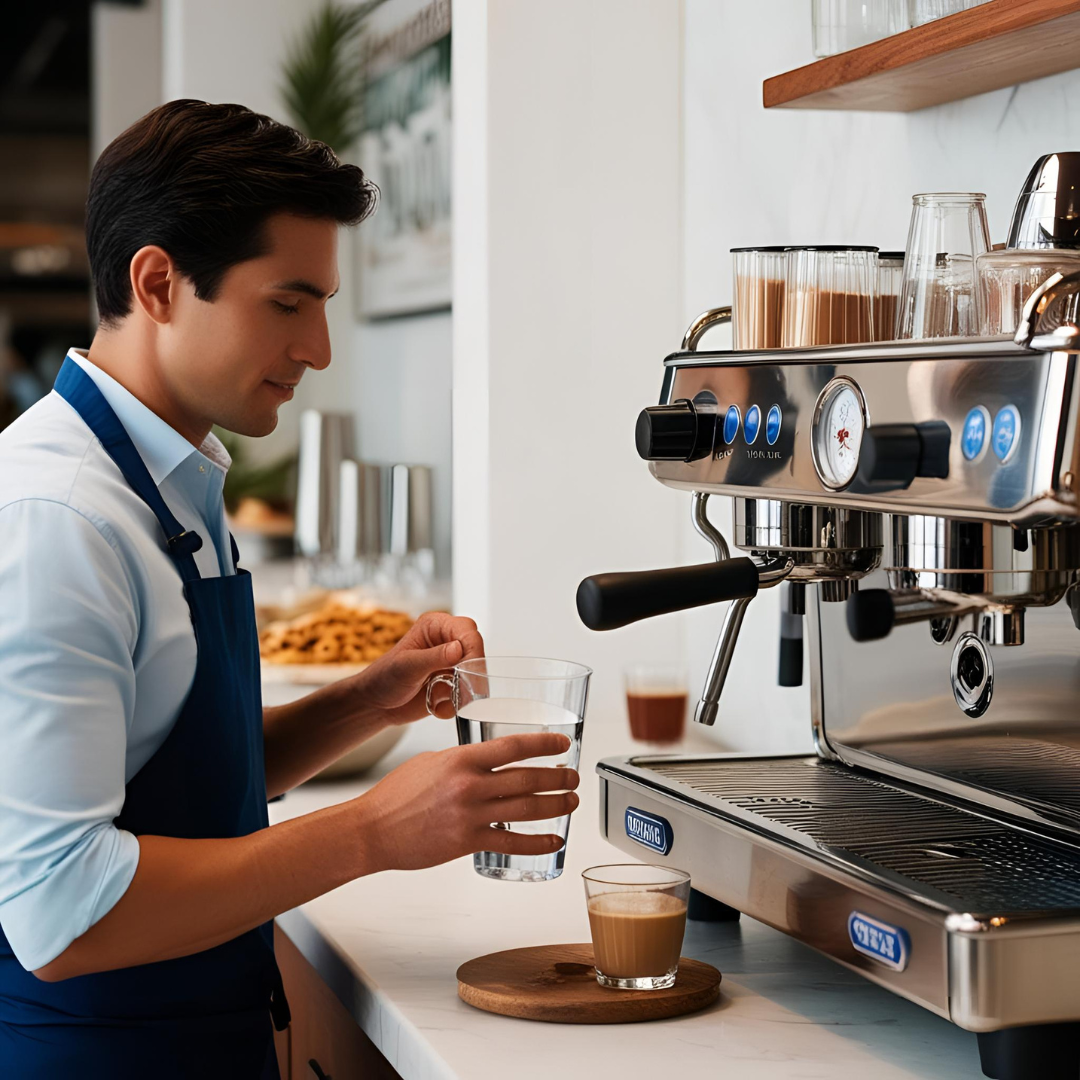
278,688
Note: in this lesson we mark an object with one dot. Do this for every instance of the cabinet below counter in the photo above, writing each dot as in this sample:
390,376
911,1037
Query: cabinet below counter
323,1042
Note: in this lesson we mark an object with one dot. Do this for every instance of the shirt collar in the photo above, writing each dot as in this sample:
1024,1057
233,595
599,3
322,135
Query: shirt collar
162,448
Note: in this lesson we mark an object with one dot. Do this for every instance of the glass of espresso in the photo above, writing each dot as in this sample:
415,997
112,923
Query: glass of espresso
656,700
495,696
637,915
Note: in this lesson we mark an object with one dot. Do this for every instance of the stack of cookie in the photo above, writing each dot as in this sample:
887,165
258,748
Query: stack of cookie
334,634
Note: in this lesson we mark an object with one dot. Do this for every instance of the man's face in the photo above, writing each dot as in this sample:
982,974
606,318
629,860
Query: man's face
235,360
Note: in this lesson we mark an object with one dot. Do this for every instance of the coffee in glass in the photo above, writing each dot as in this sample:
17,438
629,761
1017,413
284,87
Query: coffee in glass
637,915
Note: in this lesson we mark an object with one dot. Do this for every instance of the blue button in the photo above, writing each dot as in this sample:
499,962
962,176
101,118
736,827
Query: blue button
974,438
772,425
731,424
751,424
1006,437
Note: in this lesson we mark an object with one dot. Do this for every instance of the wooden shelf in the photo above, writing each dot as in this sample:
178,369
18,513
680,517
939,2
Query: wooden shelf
997,44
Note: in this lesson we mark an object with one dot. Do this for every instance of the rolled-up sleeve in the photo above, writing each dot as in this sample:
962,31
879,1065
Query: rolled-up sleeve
68,624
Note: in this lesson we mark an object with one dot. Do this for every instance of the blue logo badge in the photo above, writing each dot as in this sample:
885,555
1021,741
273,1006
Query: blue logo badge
648,829
888,945
974,436
772,425
1006,432
751,424
731,424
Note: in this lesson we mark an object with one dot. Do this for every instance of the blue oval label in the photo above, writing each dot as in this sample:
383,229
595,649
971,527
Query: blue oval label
751,425
649,830
772,425
731,423
974,438
888,945
1006,436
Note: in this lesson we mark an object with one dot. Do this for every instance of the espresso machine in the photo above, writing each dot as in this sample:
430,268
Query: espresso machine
919,502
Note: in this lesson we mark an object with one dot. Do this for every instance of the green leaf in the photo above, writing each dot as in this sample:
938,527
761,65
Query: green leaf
323,85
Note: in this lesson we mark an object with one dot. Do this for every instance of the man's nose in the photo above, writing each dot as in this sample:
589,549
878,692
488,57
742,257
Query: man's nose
312,349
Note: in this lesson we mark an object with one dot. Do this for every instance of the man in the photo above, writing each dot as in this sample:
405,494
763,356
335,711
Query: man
138,875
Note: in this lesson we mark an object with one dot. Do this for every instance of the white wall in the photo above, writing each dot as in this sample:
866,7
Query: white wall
230,50
394,375
792,176
567,221
233,51
127,67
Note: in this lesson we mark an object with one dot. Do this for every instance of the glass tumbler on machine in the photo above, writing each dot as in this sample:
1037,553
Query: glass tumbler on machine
890,276
495,696
829,296
759,296
1044,239
948,233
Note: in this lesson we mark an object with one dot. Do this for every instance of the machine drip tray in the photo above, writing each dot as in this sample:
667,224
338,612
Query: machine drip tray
983,912
952,858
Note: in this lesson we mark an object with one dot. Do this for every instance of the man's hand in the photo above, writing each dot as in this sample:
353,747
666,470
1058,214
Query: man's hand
395,683
440,806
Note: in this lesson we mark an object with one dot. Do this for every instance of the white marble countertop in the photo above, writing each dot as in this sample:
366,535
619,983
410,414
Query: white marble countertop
390,945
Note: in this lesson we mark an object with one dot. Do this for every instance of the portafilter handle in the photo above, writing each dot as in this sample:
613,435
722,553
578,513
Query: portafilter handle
608,601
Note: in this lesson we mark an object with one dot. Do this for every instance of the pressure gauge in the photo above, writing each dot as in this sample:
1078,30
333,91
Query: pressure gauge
839,423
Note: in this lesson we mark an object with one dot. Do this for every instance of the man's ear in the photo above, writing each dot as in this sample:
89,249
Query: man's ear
154,279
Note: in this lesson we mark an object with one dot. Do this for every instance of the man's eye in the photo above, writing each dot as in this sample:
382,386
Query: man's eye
286,309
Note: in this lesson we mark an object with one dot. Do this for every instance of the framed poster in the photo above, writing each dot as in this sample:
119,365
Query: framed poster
403,252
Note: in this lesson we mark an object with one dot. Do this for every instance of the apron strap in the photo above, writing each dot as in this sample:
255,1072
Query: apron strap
81,393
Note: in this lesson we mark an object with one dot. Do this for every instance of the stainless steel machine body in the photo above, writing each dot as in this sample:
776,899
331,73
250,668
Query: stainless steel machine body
933,844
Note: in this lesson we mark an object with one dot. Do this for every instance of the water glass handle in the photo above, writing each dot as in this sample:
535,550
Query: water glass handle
434,681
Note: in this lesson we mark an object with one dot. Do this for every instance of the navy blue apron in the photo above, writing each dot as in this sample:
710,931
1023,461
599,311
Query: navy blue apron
208,1014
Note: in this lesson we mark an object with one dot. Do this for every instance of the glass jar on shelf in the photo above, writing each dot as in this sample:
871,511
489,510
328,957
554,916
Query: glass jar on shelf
840,25
924,11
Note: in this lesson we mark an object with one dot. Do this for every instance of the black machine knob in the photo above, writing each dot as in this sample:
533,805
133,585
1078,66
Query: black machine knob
892,455
678,432
871,614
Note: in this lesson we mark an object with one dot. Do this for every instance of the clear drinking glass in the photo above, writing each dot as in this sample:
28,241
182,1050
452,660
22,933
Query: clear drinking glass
656,699
637,915
1007,278
840,25
758,311
510,695
948,233
829,298
890,276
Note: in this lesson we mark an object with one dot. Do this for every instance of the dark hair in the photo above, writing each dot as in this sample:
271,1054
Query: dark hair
200,181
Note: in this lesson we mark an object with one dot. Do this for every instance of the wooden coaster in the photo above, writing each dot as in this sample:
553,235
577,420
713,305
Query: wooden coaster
557,983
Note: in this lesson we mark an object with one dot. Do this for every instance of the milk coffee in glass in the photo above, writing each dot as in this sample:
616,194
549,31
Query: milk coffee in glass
829,295
637,917
759,297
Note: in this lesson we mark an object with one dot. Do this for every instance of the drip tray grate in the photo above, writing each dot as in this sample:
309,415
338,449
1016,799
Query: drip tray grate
959,859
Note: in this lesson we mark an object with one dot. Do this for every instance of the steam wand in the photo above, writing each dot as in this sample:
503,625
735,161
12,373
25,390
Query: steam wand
709,705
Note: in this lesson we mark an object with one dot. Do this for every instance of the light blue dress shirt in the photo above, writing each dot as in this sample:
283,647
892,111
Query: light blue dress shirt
97,651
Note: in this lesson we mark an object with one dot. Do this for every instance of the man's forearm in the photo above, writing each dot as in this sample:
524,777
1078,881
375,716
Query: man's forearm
190,895
303,737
